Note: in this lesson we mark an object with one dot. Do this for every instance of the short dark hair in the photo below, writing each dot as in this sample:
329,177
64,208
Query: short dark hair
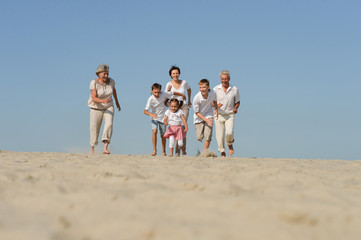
202,81
174,67
157,86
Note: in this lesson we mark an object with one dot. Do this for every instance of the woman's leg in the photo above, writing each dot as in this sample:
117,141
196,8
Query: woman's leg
108,128
96,118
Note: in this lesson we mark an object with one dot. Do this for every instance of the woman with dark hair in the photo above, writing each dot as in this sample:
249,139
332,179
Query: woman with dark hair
181,90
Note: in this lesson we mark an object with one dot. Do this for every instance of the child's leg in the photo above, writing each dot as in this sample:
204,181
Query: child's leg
154,141
207,136
162,130
171,146
181,145
206,144
164,141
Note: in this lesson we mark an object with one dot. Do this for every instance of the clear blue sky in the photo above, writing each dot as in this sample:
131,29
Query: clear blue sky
297,65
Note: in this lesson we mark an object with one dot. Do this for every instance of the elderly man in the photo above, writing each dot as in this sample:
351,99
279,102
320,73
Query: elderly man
228,99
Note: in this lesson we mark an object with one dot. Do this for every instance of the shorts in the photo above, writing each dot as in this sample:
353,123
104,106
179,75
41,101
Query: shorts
158,125
203,131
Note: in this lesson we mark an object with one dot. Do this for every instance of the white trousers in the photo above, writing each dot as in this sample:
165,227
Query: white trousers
172,142
96,118
185,109
224,127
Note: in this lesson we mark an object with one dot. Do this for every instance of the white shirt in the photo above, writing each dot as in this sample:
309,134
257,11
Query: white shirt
103,91
203,106
228,98
182,89
157,105
174,118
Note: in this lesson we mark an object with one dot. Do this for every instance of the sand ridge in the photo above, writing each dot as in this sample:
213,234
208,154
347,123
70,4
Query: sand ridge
80,196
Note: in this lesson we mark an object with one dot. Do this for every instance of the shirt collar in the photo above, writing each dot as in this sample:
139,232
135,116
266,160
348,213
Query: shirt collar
229,87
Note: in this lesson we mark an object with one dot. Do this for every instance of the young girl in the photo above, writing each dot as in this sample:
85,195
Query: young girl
175,118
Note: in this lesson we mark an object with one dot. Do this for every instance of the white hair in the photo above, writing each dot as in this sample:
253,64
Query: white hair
225,72
102,68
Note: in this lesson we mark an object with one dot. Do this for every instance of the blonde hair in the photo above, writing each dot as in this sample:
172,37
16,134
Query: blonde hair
225,72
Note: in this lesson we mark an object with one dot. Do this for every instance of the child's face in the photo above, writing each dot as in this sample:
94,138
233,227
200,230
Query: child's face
156,92
174,106
203,88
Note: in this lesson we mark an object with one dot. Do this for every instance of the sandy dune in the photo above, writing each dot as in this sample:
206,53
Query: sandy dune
77,196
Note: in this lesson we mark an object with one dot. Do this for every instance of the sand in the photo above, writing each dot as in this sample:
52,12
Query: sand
78,196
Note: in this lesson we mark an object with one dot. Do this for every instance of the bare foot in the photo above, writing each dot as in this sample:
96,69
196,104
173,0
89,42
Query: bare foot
231,151
164,154
170,155
106,151
92,150
184,153
223,154
154,153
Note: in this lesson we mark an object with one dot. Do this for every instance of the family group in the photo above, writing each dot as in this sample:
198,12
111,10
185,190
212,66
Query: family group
169,111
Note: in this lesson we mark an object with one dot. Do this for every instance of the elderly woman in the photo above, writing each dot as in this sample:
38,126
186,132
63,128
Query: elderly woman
102,89
181,90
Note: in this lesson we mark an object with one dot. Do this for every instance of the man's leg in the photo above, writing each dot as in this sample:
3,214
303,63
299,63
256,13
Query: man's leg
229,124
220,134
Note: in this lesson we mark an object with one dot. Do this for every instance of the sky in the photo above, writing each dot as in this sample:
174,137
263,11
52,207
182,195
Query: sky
297,65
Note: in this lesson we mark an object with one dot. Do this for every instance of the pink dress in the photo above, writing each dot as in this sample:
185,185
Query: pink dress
176,131
175,128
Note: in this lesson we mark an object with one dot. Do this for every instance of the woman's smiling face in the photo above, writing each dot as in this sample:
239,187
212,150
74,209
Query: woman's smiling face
103,75
175,74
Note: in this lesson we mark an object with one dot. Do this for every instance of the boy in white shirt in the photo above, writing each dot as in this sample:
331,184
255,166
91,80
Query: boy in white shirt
203,104
158,108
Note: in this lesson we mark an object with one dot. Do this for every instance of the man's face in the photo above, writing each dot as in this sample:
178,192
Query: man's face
225,80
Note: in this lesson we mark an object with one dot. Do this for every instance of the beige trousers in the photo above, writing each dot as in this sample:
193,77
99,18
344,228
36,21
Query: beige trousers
96,118
224,122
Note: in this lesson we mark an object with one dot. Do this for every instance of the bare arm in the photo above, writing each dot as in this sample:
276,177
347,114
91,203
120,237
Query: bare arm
236,106
116,99
209,121
184,123
189,91
180,94
215,105
166,120
95,98
152,115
